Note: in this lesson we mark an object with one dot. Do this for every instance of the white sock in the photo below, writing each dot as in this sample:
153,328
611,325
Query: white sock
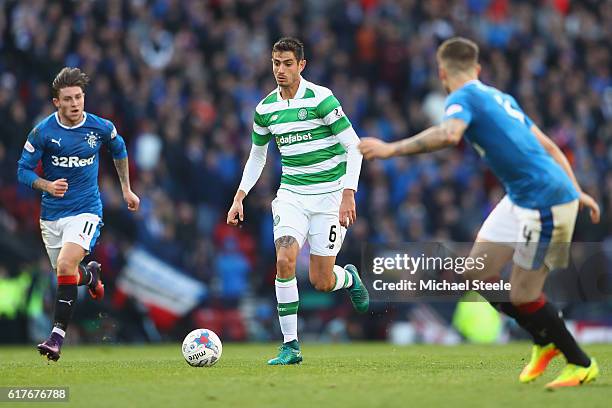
59,331
343,278
288,301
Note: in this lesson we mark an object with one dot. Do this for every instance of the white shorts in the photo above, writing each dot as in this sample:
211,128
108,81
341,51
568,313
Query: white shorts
81,229
541,236
312,217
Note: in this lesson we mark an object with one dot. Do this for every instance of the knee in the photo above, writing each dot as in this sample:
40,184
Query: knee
519,298
285,266
480,273
470,275
65,268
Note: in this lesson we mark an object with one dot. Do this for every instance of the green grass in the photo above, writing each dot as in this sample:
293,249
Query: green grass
337,375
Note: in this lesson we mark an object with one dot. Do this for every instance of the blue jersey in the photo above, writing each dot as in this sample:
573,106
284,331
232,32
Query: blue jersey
71,153
501,133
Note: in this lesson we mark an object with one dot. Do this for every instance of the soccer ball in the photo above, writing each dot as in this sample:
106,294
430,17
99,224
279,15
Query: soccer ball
202,348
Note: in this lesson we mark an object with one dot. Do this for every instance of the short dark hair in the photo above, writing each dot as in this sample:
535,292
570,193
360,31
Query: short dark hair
290,44
69,77
458,53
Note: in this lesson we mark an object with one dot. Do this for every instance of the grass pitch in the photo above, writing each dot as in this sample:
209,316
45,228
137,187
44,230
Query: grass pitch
336,375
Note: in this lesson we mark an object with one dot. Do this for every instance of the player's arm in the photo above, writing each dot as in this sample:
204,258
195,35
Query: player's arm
123,172
30,156
116,146
348,210
449,133
330,111
556,153
252,171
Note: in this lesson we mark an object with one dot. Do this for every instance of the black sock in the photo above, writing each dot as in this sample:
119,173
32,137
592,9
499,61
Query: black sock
547,320
85,276
539,336
65,300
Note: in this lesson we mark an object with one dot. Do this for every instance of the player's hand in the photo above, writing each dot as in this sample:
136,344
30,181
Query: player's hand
348,213
132,200
590,203
58,187
235,210
373,148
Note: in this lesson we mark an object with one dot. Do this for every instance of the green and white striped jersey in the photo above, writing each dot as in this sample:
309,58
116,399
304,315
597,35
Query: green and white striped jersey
305,129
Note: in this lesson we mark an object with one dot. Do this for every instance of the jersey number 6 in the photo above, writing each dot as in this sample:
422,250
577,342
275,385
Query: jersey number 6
332,233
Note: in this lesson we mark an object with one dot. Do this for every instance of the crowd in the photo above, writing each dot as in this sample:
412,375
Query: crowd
180,80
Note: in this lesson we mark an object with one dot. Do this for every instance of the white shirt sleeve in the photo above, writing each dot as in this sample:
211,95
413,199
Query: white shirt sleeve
349,139
253,168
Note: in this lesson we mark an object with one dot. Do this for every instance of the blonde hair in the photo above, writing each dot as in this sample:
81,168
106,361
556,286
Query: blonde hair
458,54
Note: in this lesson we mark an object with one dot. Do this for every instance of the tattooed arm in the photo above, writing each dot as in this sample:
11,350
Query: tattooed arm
132,200
449,133
123,172
56,188
116,146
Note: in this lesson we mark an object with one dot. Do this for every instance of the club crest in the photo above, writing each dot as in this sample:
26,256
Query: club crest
92,139
302,114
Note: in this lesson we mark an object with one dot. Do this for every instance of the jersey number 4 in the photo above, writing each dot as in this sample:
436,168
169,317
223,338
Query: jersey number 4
514,113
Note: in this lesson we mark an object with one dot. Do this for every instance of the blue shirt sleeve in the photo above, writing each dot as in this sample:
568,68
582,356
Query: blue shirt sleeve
457,107
115,143
30,155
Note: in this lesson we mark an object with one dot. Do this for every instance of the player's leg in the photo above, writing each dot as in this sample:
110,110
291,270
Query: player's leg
84,230
541,316
90,276
287,296
287,250
326,276
546,234
52,238
497,257
65,300
68,240
325,236
495,244
290,227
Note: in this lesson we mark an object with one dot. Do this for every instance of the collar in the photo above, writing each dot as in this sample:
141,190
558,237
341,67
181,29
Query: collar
298,95
470,82
81,123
